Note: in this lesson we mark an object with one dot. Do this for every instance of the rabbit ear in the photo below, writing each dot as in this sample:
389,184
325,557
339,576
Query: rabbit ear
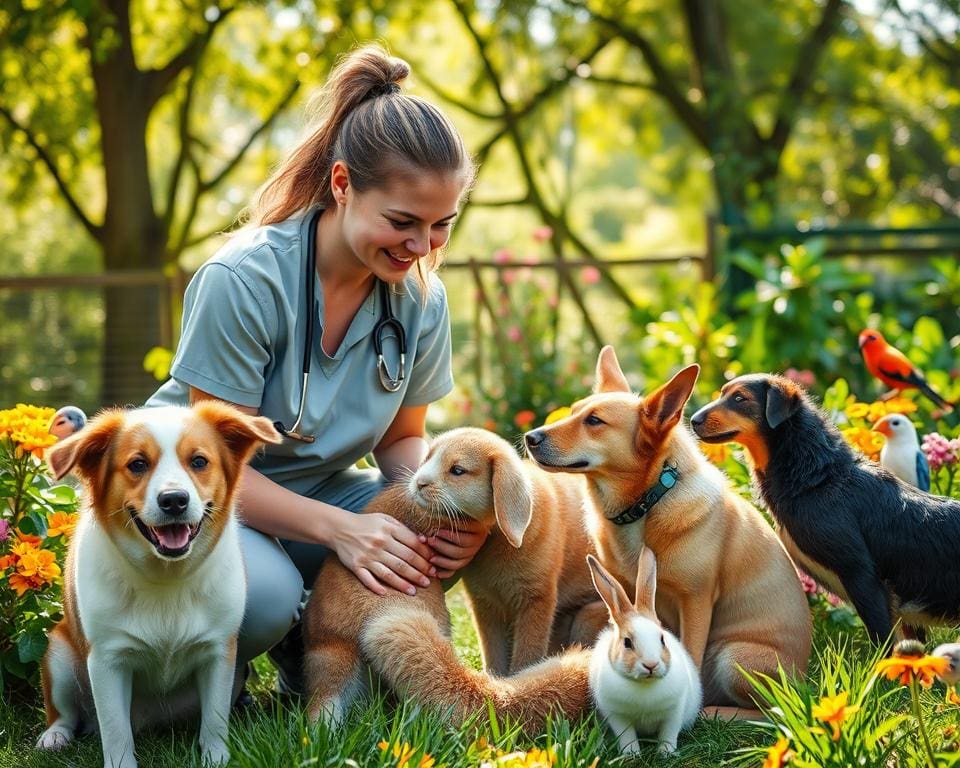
512,499
646,581
609,589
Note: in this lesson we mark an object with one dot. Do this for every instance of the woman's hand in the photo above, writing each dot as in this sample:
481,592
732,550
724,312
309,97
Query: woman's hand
383,551
454,549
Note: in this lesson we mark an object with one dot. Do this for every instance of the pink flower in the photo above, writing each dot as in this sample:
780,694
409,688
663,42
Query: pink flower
508,276
940,451
542,234
590,275
804,378
502,256
810,586
4,530
514,334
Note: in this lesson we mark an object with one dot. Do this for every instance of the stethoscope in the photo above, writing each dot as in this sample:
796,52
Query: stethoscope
387,327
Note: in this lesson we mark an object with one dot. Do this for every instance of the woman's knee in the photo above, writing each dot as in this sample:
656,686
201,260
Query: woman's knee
274,594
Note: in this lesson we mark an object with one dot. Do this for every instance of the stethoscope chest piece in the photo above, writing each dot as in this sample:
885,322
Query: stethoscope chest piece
388,326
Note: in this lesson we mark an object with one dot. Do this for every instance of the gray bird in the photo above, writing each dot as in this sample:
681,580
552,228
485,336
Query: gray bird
66,421
951,652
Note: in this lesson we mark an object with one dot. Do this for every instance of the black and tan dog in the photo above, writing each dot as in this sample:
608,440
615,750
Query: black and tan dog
888,548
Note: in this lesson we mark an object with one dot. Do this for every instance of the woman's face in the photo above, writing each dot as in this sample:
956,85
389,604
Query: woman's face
390,228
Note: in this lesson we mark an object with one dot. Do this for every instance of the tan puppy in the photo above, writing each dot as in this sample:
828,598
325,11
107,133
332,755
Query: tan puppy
406,641
725,583
529,586
154,586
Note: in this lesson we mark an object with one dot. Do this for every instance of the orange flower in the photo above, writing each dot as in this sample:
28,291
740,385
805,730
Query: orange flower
834,710
20,584
62,523
779,754
716,452
524,419
403,753
39,565
906,667
952,697
6,561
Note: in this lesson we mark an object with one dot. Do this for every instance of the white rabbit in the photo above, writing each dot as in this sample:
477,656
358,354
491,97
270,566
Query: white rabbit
641,677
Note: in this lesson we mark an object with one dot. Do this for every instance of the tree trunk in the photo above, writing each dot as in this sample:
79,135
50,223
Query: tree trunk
133,236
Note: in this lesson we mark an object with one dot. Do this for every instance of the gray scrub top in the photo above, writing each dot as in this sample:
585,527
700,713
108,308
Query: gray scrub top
242,339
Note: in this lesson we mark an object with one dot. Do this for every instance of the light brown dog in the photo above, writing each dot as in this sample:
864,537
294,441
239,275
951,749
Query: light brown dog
725,584
529,586
406,641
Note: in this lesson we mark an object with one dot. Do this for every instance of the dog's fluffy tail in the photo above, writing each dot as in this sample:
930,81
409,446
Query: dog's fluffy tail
415,659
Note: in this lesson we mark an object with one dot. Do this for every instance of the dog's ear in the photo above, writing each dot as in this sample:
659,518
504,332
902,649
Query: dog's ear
85,451
512,497
783,400
665,405
610,376
646,581
241,433
611,592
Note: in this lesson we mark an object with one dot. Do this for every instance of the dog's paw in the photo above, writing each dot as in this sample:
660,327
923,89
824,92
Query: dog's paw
216,753
55,737
330,712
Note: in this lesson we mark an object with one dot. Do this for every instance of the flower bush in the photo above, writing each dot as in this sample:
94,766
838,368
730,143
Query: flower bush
37,519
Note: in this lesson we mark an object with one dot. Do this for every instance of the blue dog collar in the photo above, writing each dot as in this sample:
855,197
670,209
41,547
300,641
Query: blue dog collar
668,478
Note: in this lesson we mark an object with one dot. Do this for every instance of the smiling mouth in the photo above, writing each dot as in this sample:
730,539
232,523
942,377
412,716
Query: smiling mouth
171,540
399,260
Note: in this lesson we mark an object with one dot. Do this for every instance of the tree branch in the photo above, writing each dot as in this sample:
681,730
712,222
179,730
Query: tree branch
94,230
157,81
804,69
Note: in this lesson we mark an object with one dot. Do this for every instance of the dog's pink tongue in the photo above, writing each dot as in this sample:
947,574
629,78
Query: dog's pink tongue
173,536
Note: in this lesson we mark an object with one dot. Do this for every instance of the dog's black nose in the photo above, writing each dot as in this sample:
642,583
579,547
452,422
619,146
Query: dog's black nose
534,438
697,419
173,502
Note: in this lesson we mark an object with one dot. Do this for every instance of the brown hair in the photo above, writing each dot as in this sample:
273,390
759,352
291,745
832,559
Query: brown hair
361,117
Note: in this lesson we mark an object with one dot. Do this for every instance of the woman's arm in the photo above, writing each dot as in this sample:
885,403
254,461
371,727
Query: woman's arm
401,450
377,548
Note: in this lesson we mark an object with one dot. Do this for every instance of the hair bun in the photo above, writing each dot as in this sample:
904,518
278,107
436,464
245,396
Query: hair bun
383,89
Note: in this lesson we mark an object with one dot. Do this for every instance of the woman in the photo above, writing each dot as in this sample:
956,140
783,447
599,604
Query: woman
355,217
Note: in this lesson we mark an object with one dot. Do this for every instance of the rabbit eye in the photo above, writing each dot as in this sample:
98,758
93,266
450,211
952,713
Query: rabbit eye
628,643
663,640
457,470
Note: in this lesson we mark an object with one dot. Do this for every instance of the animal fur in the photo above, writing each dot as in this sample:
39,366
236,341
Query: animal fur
406,641
528,587
891,550
725,585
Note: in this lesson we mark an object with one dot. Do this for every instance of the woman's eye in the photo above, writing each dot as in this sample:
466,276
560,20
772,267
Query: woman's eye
138,466
198,462
398,224
593,420
456,469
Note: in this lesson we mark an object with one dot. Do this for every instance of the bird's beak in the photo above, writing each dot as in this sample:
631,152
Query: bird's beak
882,427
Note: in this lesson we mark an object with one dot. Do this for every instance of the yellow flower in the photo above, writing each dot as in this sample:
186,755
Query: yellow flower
952,697
856,410
557,415
866,441
534,758
779,754
902,405
716,452
923,668
26,427
834,710
404,752
62,523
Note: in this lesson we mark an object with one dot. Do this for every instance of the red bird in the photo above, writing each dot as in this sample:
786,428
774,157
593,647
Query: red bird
893,368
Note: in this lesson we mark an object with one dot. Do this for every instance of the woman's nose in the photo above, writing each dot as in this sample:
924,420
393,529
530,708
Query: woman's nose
424,242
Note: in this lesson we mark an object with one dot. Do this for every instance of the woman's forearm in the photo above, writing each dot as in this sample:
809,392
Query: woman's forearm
279,512
398,460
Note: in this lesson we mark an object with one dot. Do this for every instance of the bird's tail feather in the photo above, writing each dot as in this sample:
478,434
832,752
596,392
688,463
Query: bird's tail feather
414,657
935,397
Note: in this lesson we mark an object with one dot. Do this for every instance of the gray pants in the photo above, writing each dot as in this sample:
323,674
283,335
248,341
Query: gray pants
278,570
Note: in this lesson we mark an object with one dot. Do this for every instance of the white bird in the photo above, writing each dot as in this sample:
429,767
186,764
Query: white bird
951,652
66,421
901,454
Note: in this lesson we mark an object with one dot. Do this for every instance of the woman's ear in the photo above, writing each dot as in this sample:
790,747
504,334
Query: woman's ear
339,182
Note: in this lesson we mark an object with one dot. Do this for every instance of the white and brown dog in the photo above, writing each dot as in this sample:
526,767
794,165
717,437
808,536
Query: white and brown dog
154,582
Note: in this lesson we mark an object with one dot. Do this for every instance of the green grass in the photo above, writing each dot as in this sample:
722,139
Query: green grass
275,734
